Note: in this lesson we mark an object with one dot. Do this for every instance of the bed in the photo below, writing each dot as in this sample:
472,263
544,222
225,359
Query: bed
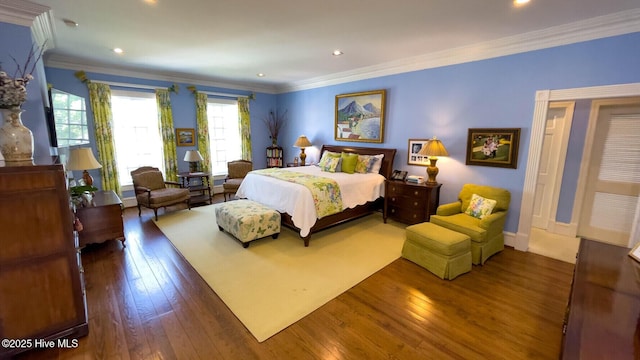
295,203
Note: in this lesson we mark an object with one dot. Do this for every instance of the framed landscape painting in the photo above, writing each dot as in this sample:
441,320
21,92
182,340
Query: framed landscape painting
185,136
493,147
360,116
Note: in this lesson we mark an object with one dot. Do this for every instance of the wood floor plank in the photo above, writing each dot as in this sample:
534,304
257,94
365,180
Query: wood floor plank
147,302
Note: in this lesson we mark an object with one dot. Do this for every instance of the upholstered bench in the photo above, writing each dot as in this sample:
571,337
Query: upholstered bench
247,220
444,252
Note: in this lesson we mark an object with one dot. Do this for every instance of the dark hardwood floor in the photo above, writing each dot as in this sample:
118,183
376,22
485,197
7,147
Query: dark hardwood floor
146,302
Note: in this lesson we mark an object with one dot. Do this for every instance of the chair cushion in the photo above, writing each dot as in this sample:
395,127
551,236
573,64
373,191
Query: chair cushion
501,196
150,179
232,184
160,197
462,223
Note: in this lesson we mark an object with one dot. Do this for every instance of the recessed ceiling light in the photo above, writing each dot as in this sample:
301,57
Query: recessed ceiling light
70,23
520,2
118,51
260,75
337,53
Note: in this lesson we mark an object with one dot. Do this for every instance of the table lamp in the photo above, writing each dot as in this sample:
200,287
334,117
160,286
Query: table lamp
433,148
193,157
302,143
83,159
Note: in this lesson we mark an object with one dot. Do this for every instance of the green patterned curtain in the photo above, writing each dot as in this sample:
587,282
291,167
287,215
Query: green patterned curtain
203,130
244,120
100,99
165,124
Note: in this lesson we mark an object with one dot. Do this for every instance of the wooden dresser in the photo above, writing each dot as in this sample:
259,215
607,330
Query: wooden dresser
41,285
603,315
410,203
101,219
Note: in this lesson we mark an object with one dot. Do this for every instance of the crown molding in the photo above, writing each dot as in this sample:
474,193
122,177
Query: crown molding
591,29
73,64
20,12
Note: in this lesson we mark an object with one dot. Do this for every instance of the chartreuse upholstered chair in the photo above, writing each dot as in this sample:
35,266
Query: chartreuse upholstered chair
153,192
474,216
236,171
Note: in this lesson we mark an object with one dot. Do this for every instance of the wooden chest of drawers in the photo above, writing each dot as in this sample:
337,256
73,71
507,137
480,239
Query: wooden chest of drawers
410,203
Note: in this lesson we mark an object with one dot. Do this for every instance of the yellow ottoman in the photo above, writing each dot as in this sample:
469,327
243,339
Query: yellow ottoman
247,220
444,252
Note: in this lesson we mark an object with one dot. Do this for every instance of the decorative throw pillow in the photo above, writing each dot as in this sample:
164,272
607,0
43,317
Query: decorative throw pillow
480,207
349,162
330,165
326,156
375,167
364,163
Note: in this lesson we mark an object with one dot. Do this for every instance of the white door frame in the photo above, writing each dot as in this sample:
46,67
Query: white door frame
542,99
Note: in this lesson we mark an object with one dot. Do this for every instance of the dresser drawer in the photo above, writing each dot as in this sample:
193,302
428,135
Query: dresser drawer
399,189
406,215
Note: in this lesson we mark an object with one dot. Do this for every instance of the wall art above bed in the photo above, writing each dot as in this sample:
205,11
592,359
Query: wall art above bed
360,116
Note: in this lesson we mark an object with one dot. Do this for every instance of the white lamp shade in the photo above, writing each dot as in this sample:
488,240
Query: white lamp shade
82,159
302,142
193,155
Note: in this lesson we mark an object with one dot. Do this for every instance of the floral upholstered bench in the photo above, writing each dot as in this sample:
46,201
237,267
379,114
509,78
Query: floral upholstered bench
247,220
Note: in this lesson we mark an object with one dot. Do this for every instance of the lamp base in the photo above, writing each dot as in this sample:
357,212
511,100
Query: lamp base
193,167
303,156
432,171
88,179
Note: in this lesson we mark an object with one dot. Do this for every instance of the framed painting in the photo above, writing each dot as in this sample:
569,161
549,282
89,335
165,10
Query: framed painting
493,147
185,137
415,145
360,116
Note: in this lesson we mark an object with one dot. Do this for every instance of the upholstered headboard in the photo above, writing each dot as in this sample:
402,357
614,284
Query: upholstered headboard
387,161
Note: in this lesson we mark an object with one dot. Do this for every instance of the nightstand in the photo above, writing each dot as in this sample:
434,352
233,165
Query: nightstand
410,203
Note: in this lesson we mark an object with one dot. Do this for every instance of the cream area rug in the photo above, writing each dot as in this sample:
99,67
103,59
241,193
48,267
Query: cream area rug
275,282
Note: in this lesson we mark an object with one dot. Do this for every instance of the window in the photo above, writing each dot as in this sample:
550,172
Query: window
224,133
135,132
71,119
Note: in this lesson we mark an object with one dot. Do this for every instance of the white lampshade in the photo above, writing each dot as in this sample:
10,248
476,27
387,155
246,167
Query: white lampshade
82,159
193,155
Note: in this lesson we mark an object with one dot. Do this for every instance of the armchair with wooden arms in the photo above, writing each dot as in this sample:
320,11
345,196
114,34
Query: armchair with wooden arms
153,192
486,233
236,171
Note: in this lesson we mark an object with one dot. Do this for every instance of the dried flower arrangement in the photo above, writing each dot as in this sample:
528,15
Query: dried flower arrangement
13,89
275,121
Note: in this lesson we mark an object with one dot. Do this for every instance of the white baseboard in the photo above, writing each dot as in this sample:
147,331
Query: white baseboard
510,239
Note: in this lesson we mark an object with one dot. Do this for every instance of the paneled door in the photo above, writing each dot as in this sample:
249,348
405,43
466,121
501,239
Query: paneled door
554,151
612,185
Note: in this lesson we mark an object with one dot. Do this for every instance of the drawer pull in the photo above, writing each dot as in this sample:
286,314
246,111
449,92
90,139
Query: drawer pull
415,193
415,203
393,210
393,199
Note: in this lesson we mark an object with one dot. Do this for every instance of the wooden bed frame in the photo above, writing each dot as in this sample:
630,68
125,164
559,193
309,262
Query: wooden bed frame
361,210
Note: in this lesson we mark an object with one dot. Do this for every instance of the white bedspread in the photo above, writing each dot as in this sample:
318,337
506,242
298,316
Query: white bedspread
296,200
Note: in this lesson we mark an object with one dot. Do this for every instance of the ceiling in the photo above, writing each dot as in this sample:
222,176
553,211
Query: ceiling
227,42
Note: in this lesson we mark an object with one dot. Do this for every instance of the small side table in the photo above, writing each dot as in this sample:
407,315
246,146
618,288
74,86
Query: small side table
410,203
199,184
101,219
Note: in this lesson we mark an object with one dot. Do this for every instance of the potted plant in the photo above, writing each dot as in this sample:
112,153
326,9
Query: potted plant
275,120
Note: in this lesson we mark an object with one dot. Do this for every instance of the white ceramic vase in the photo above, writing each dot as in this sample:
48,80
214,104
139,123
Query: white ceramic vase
16,140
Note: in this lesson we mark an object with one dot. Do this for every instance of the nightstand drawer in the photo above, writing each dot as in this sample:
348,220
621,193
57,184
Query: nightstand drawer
406,215
399,189
413,202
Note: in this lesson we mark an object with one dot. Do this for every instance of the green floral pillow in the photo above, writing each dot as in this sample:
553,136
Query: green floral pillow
480,207
365,162
329,164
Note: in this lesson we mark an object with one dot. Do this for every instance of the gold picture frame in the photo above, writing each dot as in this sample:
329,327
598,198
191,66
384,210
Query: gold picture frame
360,116
185,136
493,147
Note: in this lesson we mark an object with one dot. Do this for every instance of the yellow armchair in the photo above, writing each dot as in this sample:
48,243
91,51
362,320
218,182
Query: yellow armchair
487,237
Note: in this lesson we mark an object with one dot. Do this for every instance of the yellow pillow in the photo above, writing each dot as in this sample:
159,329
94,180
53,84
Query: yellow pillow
480,207
349,162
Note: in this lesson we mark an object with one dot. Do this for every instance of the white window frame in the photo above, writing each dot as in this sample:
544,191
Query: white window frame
142,148
224,134
63,116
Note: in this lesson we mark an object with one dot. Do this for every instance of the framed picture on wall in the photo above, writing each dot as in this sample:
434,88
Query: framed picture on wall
415,145
185,137
360,116
493,147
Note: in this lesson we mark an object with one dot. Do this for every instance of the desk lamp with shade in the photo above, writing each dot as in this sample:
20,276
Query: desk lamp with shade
302,142
433,148
83,159
193,157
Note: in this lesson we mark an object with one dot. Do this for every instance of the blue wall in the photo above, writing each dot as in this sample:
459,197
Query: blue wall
447,101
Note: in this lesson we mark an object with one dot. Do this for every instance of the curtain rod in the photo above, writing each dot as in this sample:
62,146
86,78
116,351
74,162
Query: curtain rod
149,87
